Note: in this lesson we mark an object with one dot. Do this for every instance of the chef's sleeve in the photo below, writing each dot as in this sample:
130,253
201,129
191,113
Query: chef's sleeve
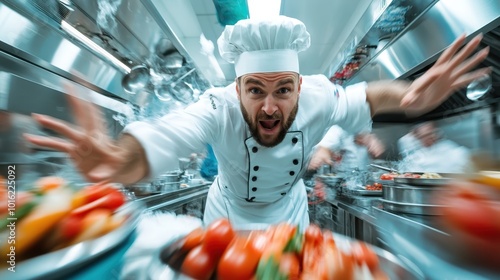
175,135
333,139
350,110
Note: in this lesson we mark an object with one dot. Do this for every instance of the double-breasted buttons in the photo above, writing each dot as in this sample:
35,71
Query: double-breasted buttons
267,180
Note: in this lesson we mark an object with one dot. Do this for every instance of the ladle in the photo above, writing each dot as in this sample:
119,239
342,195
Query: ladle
385,168
479,87
138,79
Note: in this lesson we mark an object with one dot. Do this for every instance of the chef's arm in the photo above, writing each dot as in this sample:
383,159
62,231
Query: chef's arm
134,162
450,72
386,96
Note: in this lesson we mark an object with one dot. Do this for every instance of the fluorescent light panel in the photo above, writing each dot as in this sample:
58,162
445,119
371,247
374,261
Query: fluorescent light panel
264,8
94,46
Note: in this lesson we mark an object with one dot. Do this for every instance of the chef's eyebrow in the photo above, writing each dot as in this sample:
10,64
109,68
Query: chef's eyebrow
254,81
258,82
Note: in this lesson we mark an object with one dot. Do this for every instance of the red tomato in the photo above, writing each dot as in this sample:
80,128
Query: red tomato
290,266
475,216
199,264
364,255
96,191
239,261
313,234
218,235
387,176
259,241
193,239
71,226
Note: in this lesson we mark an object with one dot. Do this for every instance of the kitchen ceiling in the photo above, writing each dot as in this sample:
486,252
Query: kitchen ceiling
330,22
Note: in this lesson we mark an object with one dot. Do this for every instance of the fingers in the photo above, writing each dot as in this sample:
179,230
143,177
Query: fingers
59,127
451,50
472,62
466,79
49,142
82,110
466,51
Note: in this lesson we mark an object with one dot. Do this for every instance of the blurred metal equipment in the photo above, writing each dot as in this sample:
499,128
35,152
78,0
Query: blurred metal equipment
479,87
138,79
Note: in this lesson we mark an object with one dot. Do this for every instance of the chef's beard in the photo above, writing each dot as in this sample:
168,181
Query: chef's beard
285,125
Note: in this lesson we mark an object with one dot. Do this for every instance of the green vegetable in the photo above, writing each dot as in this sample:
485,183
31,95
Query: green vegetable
19,213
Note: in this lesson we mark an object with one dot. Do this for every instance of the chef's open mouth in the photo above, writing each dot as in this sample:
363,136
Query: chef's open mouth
269,124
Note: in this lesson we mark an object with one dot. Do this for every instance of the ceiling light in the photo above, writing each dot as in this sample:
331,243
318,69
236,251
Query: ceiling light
264,8
93,46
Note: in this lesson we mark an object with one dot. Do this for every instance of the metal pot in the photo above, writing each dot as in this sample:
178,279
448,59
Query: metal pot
168,181
143,189
412,199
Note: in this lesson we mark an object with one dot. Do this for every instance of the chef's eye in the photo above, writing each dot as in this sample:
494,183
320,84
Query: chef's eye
283,90
255,91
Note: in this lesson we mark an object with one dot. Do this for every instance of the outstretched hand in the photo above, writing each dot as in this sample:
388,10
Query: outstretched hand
93,152
448,74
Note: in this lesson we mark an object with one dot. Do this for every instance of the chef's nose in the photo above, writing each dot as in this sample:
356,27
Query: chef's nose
269,106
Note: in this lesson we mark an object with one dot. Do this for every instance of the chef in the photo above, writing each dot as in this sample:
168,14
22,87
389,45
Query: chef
352,152
262,127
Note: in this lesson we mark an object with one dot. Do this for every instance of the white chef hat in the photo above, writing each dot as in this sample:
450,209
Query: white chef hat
261,46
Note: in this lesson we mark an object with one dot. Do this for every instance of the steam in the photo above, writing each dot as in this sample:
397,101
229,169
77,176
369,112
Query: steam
106,14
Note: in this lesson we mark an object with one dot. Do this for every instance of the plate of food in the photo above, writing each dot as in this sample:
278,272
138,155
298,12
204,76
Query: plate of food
368,190
279,252
55,226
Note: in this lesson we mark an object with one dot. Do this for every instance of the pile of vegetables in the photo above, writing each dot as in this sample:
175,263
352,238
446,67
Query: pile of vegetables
280,252
54,215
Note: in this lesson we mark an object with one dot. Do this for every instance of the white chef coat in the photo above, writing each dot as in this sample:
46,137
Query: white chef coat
353,155
444,156
256,185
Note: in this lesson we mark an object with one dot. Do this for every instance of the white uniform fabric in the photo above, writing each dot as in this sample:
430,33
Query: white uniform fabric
444,156
255,185
353,156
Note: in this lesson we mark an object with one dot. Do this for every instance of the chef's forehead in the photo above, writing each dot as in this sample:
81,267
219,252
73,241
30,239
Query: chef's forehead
270,77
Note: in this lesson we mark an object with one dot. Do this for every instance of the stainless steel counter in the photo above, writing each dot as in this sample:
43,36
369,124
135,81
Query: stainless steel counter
188,201
413,238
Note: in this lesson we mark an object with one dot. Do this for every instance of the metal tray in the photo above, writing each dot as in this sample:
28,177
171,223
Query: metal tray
390,264
59,263
422,182
365,192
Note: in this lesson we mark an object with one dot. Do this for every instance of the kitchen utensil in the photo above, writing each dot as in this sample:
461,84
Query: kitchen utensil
479,87
137,80
385,168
